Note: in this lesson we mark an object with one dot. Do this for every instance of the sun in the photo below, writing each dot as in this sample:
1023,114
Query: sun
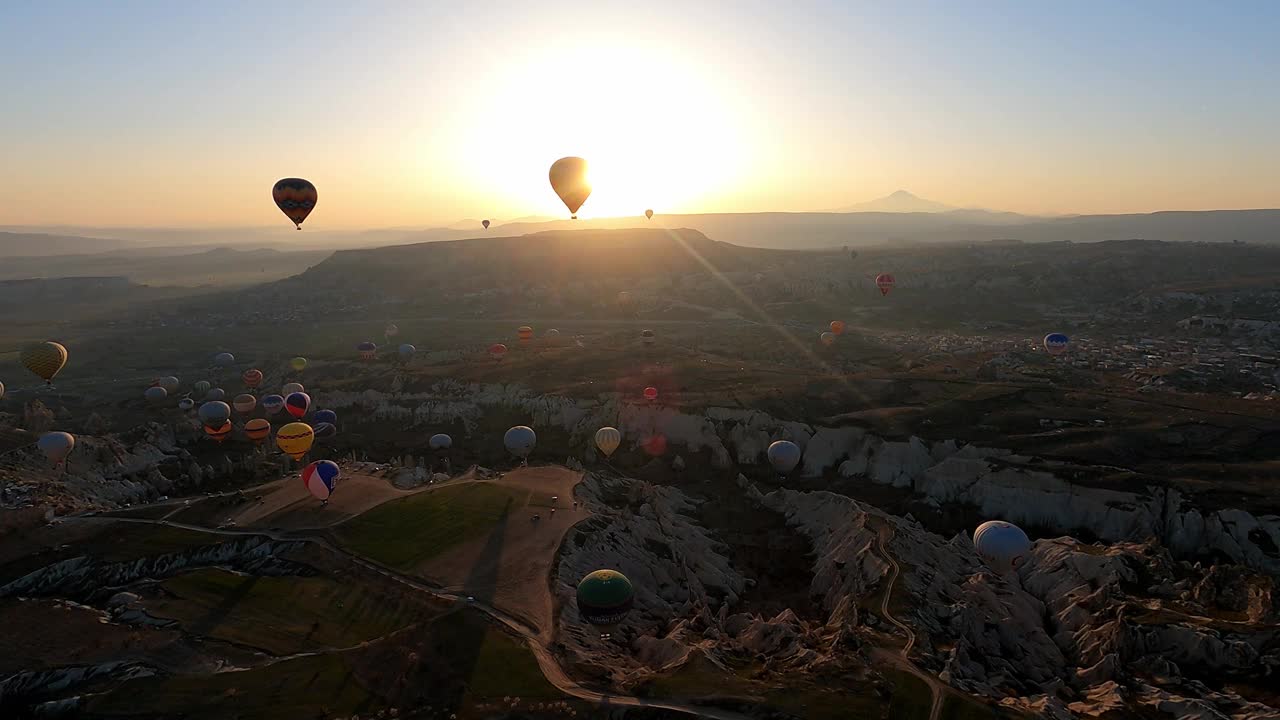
654,132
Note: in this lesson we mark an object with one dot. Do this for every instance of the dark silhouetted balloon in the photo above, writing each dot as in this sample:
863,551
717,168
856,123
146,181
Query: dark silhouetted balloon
569,180
296,198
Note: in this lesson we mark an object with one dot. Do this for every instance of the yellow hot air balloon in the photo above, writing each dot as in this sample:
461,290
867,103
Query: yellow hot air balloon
298,363
608,439
44,359
295,439
569,180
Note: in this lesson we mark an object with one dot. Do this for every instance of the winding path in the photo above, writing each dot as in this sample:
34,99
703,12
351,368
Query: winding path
936,689
546,661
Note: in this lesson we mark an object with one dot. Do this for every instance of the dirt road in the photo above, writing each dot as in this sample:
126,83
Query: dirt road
903,660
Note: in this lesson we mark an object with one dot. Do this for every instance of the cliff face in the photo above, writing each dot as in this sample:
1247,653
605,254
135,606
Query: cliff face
999,483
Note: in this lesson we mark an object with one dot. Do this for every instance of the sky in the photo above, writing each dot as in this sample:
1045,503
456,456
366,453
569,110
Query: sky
417,114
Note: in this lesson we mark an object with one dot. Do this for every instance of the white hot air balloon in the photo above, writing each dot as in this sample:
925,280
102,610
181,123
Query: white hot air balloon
1,391
608,439
186,404
520,441
169,383
291,388
784,455
440,441
56,446
1002,546
156,395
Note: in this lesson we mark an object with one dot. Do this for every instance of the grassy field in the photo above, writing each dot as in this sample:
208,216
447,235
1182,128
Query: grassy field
284,615
407,532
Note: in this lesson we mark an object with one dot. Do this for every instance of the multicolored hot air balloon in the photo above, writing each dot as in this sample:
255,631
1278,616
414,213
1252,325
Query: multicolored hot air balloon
291,388
218,433
56,446
651,393
1002,546
1056,343
320,478
298,364
885,281
837,327
272,404
252,378
295,439
214,413
326,416
45,359
608,439
367,350
296,198
647,337
497,351
604,599
648,214
525,333
520,441
569,179
257,430
244,403
297,404
485,223
784,455
827,338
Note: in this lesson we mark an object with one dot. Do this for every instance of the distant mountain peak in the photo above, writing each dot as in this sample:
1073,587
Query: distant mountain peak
899,201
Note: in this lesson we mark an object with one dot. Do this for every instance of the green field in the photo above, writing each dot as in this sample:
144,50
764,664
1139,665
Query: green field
284,615
407,532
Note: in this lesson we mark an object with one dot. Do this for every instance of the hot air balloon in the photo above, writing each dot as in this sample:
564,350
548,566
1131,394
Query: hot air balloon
295,439
257,430
837,327
440,441
320,478
1002,546
296,198
407,351
202,388
325,431
648,214
485,223
214,413
272,404
328,416
367,350
520,441
651,393
647,337
216,394
569,180
45,359
156,395
1,391
218,433
525,333
604,599
853,254
297,404
608,439
56,446
244,403
291,388
297,364
552,336
186,404
169,383
885,282
224,359
252,378
784,455
624,298
391,330
1056,343
827,338
497,351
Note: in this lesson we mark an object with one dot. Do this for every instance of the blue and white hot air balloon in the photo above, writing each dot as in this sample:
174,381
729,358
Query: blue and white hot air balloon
1056,343
1002,546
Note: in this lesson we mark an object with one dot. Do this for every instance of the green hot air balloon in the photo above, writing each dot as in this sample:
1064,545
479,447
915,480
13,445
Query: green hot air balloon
604,599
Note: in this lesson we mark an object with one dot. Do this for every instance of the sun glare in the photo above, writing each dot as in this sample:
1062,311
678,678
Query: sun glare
654,132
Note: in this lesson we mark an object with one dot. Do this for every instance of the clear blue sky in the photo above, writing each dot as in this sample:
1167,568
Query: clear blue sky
148,113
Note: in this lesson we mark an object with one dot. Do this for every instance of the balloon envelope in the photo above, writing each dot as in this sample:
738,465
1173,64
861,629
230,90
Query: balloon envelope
218,432
440,441
569,179
608,439
1002,546
407,351
169,383
45,359
186,404
784,455
827,338
156,395
325,430
296,198
252,378
56,446
485,223
605,597
291,388
367,350
257,430
885,281
320,478
295,439
648,214
297,404
271,404
328,416
837,327
202,387
298,363
497,351
520,440
214,413
224,359
244,403
647,337
651,393
1056,343
216,394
